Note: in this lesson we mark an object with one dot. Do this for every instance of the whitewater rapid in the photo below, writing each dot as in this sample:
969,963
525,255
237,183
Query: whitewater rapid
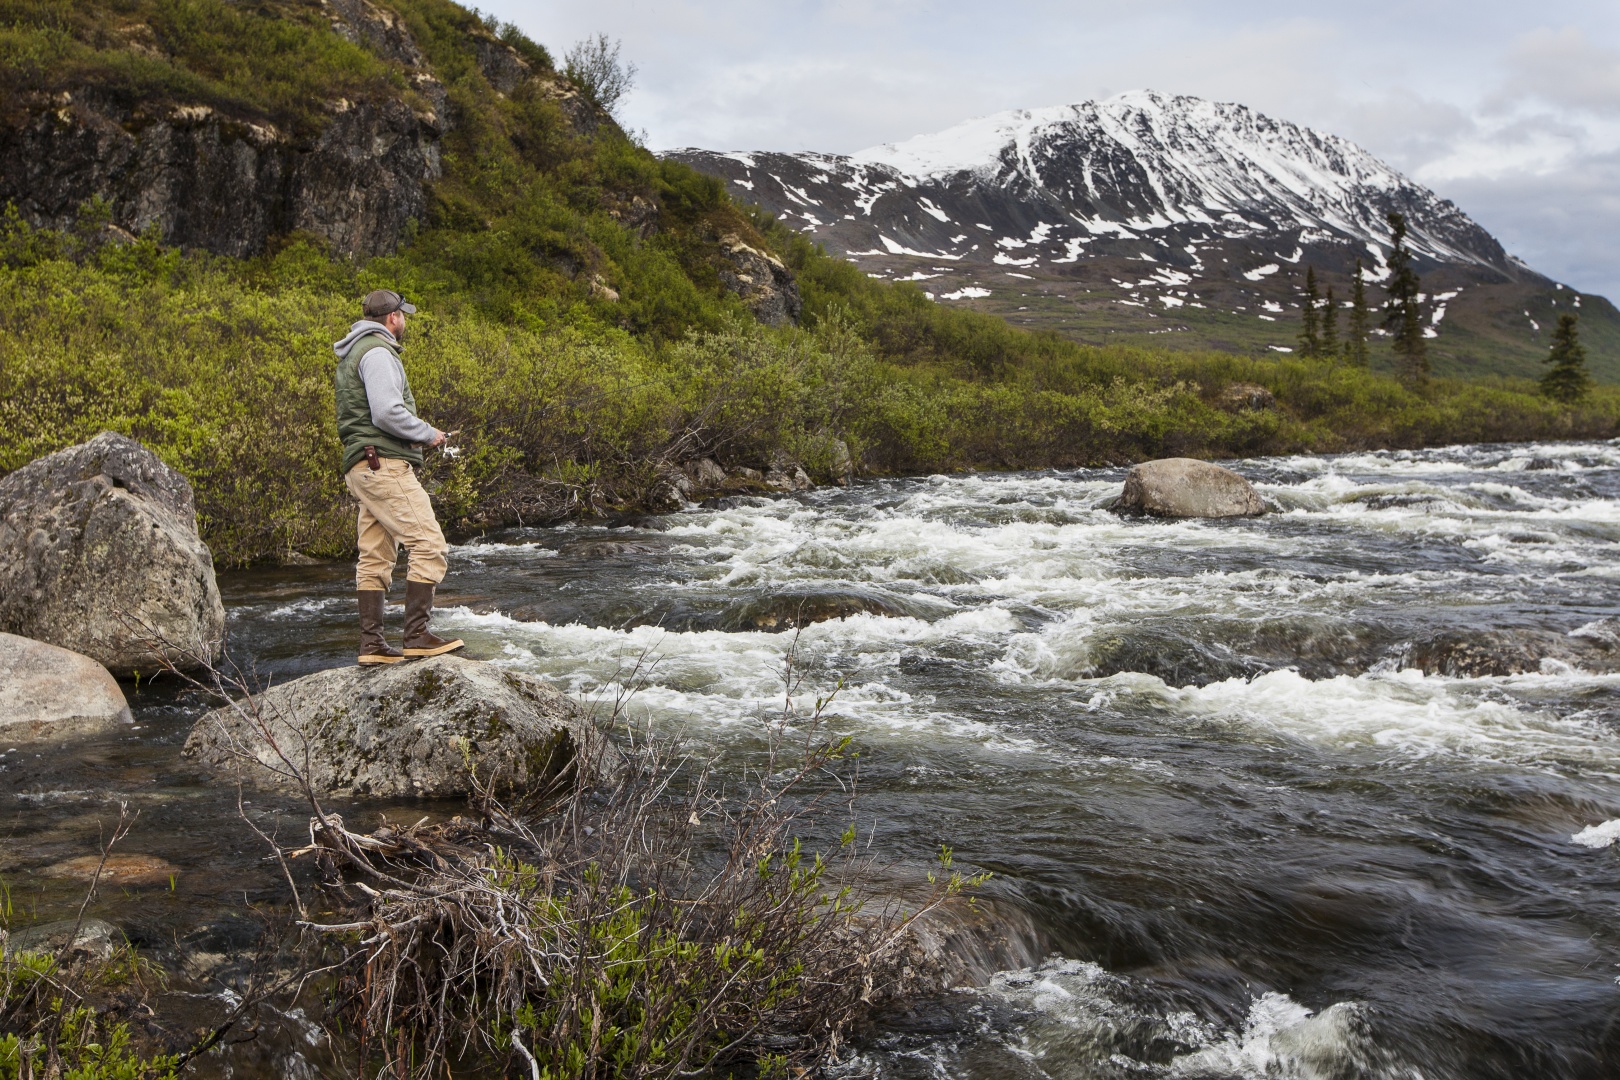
1128,719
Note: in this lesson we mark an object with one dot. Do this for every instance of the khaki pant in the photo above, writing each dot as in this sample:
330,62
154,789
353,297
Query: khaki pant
394,510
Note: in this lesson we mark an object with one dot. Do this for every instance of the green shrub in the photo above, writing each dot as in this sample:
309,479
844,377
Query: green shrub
223,367
43,1034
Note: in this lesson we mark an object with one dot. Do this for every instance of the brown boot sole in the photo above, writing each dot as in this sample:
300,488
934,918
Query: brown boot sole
446,647
374,660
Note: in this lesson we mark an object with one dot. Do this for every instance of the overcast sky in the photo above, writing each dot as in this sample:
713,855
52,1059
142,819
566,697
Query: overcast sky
1510,109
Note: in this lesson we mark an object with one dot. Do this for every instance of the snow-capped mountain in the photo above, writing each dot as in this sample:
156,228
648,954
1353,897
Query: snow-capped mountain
1161,203
1141,173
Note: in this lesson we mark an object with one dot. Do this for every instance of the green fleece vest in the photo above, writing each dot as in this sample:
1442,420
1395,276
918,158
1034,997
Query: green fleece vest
355,429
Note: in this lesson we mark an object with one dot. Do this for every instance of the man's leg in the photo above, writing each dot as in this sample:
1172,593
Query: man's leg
397,500
373,574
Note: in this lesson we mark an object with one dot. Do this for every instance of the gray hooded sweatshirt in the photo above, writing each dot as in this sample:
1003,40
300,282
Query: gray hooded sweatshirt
384,377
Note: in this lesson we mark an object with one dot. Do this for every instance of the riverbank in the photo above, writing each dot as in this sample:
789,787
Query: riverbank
222,367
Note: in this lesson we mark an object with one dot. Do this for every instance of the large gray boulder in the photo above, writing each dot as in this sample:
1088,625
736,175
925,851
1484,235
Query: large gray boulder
99,553
1187,488
410,729
51,693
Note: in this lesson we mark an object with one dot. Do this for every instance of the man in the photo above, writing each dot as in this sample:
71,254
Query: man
382,448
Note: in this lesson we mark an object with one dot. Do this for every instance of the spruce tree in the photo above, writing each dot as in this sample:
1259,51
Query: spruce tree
1355,349
1330,327
1310,342
1403,314
1568,381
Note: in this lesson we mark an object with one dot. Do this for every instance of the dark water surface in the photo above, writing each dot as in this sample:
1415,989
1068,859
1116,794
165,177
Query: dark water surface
1245,840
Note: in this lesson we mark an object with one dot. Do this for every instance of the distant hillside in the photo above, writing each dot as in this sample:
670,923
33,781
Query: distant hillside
1169,221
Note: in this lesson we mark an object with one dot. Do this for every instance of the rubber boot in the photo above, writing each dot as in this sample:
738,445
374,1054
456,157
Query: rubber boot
374,647
419,641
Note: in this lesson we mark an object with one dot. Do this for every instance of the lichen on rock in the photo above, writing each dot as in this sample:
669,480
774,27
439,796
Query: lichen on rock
423,728
99,554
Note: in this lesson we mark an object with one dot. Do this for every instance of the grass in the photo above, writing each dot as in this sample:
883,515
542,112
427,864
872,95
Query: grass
56,1019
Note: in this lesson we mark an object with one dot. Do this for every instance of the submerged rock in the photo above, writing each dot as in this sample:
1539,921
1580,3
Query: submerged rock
116,869
99,553
94,938
1188,488
47,692
791,609
411,729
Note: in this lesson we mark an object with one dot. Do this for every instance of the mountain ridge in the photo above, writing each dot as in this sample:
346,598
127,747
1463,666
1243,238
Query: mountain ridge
1230,205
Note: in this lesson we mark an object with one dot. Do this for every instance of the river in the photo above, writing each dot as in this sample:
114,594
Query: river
1237,836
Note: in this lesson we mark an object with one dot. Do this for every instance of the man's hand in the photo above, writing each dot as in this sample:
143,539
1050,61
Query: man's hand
438,439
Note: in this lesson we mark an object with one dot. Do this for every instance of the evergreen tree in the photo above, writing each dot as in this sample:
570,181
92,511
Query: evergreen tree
1355,348
1568,381
1330,326
1403,314
1310,342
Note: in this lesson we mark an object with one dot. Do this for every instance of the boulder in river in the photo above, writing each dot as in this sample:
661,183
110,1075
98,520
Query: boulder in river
791,609
1472,654
1188,488
47,692
410,729
99,553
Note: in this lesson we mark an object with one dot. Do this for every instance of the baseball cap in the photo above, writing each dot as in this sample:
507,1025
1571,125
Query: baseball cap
383,301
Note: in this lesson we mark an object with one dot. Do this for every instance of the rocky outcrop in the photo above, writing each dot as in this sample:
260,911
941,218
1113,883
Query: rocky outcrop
51,693
503,68
412,729
761,280
208,180
99,553
636,214
1187,488
375,28
1245,397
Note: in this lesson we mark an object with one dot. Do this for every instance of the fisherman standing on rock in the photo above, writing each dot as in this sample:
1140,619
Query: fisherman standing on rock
383,439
